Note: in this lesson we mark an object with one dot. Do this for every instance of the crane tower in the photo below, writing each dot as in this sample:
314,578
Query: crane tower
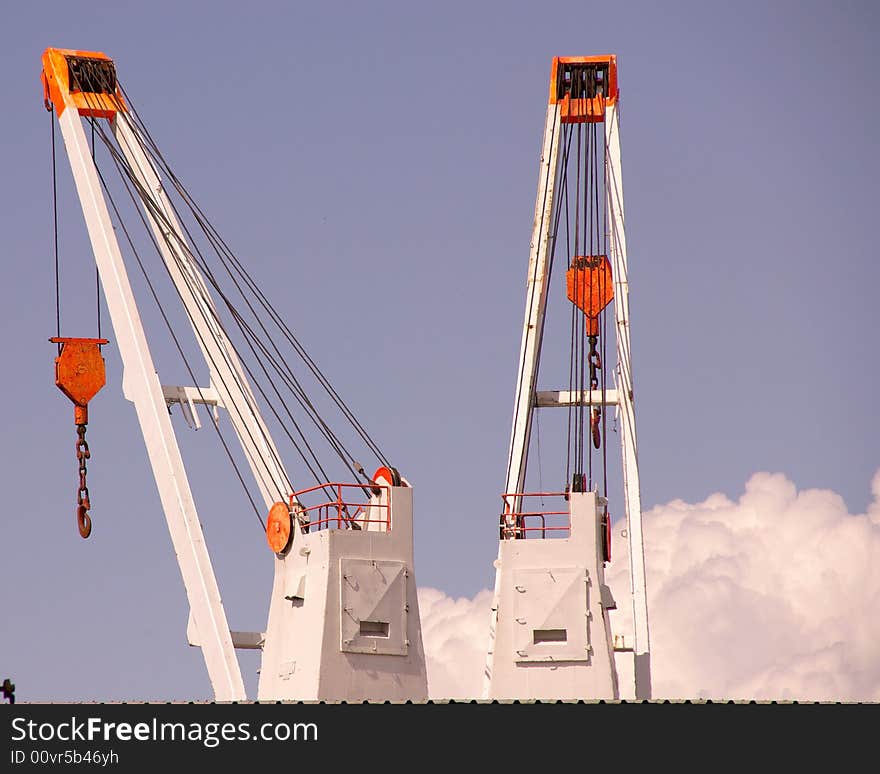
550,634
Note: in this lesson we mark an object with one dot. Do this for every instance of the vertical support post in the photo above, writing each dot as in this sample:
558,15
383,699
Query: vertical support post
227,375
536,301
626,407
530,347
141,386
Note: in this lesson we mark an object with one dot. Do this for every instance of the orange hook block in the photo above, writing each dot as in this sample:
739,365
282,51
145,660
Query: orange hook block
590,287
79,372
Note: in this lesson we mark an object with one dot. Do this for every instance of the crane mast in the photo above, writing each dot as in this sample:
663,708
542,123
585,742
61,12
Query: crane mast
540,644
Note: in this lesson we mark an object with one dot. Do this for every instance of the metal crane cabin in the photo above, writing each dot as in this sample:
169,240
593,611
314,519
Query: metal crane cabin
550,631
343,620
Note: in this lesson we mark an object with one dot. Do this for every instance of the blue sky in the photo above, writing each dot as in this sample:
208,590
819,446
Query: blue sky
376,167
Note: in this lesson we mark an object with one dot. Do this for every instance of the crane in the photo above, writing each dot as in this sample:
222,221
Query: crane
343,618
550,633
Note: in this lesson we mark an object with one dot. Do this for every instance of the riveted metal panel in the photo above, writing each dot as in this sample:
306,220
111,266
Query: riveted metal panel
373,607
552,614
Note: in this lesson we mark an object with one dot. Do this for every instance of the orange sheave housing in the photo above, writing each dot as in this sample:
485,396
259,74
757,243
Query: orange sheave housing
79,372
583,110
57,88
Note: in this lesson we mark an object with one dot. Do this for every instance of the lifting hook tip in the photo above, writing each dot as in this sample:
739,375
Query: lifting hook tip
83,521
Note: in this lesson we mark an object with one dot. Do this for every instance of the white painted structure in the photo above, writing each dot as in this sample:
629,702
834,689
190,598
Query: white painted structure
327,579
344,618
553,637
508,673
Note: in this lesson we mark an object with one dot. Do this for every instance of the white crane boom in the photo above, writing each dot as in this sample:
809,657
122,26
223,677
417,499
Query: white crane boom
140,382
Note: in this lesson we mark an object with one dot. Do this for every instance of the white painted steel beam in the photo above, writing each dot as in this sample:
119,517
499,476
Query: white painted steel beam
189,398
227,374
628,445
563,398
249,640
199,395
141,385
536,301
527,374
240,640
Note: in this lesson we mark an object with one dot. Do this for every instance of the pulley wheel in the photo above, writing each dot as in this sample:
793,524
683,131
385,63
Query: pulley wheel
278,527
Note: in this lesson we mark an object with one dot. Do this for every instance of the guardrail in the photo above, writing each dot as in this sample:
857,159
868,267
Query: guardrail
342,511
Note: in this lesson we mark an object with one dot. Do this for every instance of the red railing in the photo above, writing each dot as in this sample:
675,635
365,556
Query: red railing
339,512
533,521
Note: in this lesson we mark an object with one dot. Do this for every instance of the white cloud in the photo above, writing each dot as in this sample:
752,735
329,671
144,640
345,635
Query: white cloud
773,596
454,632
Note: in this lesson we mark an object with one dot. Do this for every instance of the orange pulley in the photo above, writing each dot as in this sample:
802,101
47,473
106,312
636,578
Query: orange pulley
279,526
80,374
